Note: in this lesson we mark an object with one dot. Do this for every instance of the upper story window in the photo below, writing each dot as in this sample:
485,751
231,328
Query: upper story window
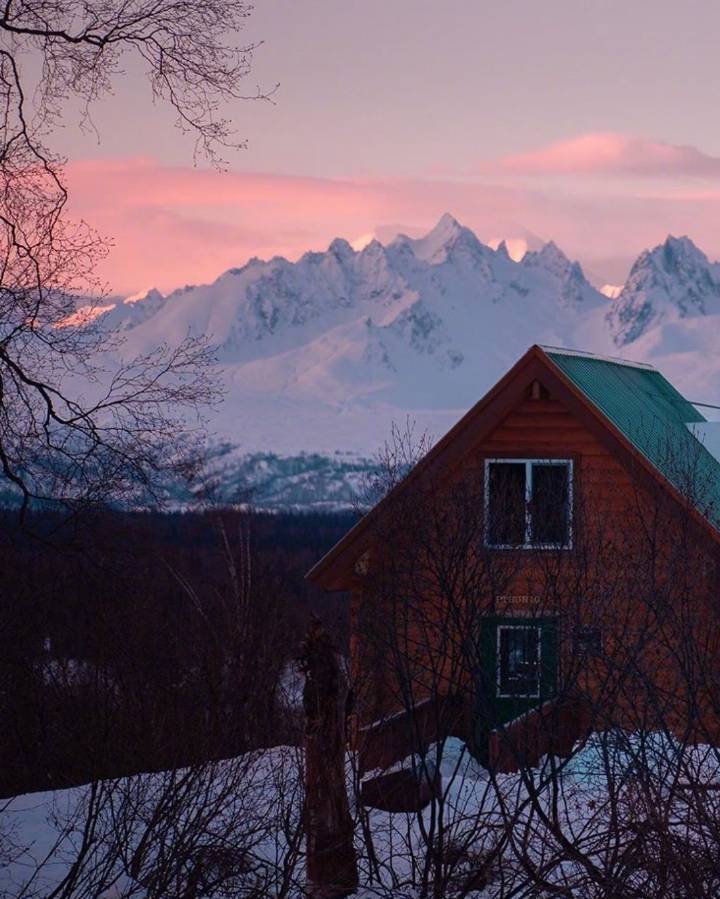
528,503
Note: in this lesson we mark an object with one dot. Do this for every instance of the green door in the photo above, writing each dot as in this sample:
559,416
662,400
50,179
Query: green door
517,670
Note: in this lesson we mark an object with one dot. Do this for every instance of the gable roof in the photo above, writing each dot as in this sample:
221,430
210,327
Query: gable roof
637,407
655,417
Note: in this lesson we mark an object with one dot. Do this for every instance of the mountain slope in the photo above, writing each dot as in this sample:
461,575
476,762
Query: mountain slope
415,324
321,356
674,280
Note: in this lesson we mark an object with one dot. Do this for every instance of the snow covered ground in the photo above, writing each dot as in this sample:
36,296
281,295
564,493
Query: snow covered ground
233,828
227,828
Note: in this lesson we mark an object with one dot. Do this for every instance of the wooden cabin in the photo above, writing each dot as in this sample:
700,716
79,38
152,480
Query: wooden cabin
549,567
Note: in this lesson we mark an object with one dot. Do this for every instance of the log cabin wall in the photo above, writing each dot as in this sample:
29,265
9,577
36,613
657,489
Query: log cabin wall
628,542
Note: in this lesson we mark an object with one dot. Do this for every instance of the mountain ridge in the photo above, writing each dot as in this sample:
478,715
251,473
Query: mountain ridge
323,354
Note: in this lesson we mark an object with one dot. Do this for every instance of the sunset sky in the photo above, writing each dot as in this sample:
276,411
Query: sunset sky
594,125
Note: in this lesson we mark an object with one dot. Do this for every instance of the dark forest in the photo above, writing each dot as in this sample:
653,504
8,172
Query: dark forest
135,642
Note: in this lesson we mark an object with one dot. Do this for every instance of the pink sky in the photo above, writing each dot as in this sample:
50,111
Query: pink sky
612,154
590,124
172,225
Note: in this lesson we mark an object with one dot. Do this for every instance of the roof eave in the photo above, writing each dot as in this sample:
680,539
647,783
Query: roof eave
325,572
335,570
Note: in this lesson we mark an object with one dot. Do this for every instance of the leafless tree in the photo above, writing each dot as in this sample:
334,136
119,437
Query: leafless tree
634,811
72,426
416,625
220,829
205,825
608,787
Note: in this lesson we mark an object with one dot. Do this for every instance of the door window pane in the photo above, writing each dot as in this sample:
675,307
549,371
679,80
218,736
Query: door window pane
506,503
550,506
518,661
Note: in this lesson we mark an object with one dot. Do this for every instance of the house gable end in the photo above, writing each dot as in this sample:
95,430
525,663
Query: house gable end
501,423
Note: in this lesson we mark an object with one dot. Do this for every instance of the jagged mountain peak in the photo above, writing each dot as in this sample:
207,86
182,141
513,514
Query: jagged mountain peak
373,248
326,352
144,296
135,309
674,279
550,256
446,228
551,250
682,244
502,251
341,248
672,256
573,285
673,253
448,237
276,306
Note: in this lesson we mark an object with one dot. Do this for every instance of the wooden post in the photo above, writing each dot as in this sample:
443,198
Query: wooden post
331,866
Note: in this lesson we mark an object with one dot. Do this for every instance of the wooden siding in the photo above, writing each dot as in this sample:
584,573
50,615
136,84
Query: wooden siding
612,504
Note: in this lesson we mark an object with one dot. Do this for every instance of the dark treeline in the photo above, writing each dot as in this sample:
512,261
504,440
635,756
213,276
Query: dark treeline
134,642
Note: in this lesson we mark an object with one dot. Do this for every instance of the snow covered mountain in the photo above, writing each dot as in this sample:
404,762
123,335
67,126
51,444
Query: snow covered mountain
674,280
416,323
321,356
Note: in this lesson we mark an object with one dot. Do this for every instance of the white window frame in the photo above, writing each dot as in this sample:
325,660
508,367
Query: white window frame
498,678
528,463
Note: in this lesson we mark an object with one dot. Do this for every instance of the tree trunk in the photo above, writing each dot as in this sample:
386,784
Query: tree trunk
331,860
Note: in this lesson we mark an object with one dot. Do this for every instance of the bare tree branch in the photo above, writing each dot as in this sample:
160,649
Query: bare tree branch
70,429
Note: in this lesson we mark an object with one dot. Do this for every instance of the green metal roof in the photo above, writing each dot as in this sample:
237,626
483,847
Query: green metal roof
653,416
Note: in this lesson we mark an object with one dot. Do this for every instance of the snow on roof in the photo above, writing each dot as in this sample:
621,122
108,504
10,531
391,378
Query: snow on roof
615,360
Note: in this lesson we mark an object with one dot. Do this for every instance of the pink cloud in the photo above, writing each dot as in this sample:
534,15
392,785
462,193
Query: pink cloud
609,153
173,226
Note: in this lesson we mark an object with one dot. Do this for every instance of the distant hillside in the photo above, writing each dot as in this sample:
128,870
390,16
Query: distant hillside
320,356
